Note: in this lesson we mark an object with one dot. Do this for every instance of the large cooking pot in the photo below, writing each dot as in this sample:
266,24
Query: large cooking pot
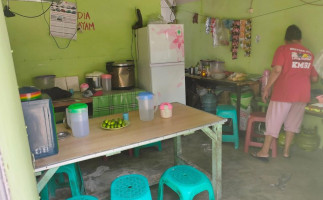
123,74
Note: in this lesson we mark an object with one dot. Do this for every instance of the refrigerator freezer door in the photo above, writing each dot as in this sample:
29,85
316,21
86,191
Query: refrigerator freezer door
166,43
169,83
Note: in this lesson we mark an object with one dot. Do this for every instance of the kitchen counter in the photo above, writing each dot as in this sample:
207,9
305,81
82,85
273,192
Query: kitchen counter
237,85
75,98
115,101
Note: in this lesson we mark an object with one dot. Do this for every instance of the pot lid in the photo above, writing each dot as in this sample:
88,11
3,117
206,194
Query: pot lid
94,74
124,63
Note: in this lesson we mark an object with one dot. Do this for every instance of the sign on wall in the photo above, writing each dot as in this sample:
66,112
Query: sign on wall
85,22
63,20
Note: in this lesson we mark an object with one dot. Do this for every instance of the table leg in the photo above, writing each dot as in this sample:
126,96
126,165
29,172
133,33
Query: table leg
178,151
45,178
216,136
238,104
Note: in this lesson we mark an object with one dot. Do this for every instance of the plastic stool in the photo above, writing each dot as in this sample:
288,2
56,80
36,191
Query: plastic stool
130,187
75,181
186,181
83,197
44,193
137,149
228,111
257,117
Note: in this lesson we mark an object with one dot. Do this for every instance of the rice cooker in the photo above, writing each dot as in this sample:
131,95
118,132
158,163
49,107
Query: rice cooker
94,80
123,74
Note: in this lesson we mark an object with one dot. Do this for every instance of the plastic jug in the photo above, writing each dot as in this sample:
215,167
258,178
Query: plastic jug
146,102
78,119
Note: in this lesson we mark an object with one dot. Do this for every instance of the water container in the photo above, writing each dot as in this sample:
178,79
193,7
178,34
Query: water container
146,106
79,120
106,82
245,101
209,103
41,128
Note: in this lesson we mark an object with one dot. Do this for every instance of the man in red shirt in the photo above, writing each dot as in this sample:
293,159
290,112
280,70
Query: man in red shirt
291,76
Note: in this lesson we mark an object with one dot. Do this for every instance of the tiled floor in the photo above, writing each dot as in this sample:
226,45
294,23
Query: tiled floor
243,177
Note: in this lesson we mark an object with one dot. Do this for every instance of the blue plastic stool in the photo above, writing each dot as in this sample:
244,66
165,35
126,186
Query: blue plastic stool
83,197
130,187
228,111
137,149
186,181
75,181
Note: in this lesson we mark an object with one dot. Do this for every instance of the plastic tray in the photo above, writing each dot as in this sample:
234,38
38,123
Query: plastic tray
127,123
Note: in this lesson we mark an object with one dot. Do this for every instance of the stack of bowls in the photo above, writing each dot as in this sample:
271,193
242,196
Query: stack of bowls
29,93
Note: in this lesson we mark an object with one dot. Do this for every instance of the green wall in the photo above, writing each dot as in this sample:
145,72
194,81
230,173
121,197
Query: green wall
13,136
271,29
269,20
35,52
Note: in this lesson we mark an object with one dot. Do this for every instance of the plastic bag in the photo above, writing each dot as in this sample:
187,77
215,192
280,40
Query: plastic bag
318,63
222,33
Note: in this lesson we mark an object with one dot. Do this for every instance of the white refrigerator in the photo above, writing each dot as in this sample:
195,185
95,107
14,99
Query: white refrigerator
160,61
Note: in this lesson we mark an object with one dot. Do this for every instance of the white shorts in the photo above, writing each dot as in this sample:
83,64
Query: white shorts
289,114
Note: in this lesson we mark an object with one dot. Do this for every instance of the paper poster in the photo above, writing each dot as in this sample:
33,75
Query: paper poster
63,20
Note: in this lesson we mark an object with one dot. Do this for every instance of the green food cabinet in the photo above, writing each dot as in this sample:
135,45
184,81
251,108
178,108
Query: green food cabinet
116,101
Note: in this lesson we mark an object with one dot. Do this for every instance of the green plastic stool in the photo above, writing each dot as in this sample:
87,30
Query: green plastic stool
83,197
75,181
186,181
228,111
137,149
130,187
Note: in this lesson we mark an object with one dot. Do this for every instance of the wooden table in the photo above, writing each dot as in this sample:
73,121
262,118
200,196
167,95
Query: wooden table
185,120
237,85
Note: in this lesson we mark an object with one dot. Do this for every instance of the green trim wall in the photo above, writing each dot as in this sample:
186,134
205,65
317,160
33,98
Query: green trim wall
35,52
13,136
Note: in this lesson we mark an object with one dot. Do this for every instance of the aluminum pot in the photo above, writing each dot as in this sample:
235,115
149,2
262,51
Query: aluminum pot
123,74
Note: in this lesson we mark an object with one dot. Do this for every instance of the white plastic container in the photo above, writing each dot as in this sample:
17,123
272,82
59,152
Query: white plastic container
166,110
146,106
106,82
264,80
78,119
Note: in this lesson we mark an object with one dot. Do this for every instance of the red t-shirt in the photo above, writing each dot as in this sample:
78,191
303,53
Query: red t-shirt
294,83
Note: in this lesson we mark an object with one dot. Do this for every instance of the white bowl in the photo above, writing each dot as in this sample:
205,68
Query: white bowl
218,75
